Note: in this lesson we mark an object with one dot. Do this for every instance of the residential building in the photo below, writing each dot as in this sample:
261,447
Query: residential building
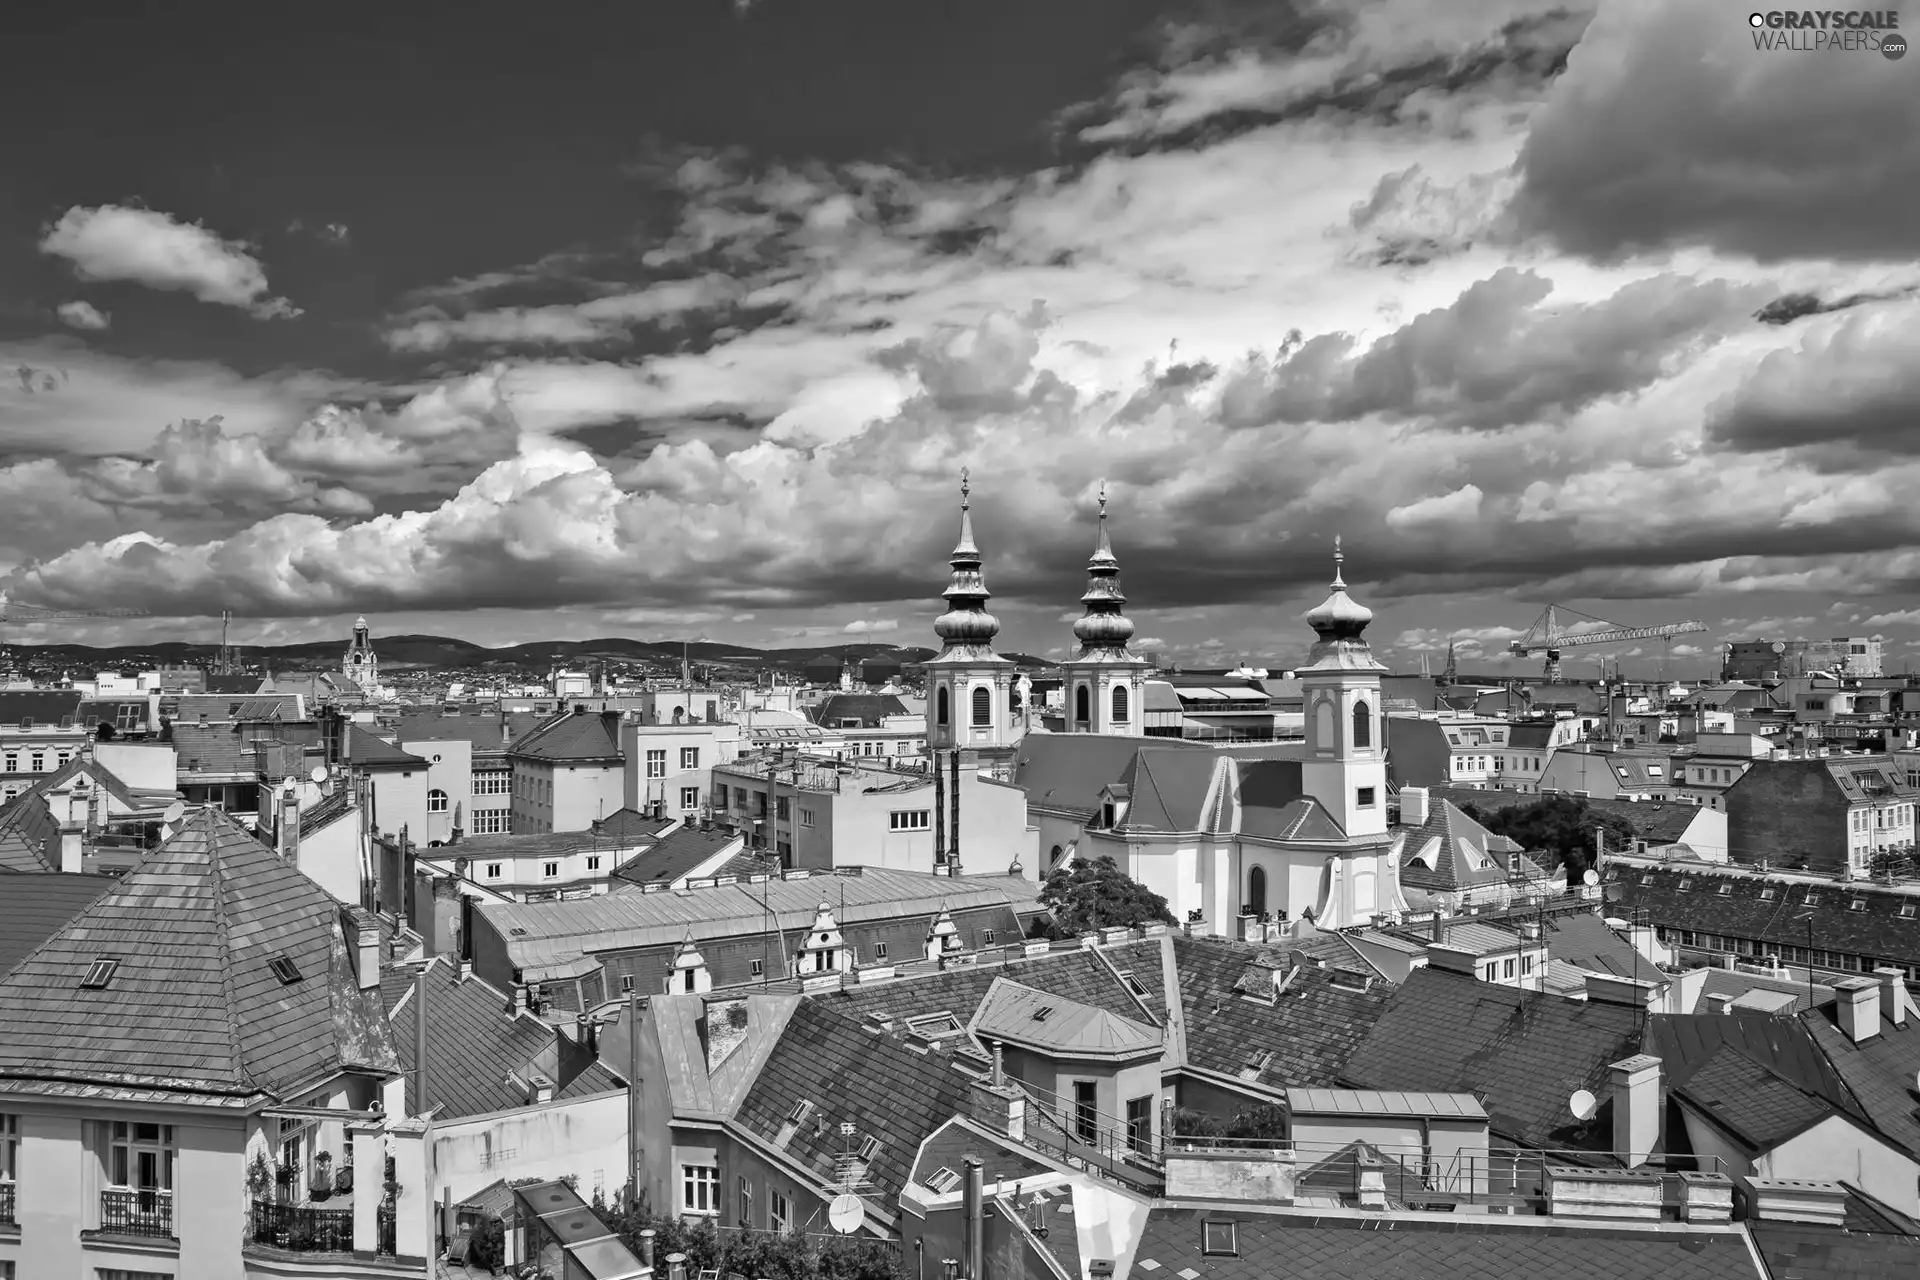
568,773
552,864
667,767
1105,681
396,780
150,1087
824,814
970,688
1613,773
1827,814
694,852
85,817
322,828
484,799
42,729
1449,863
1779,659
1451,751
869,724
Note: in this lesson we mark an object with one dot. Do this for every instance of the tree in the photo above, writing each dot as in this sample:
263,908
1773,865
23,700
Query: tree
1561,827
1097,894
1263,1121
776,1255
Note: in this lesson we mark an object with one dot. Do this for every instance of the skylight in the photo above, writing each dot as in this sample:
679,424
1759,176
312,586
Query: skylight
869,1148
942,1180
1766,895
1043,1013
100,974
801,1110
284,969
1219,1240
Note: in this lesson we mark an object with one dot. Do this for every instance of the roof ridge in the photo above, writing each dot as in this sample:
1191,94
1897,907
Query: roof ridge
218,882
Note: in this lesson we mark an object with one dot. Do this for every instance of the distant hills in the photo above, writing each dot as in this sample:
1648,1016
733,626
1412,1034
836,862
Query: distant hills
399,652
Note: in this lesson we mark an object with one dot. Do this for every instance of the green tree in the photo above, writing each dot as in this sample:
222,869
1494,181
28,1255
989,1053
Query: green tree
1558,827
774,1255
1096,894
1264,1121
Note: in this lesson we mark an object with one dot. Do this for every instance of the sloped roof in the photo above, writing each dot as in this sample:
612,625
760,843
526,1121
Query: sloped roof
1451,851
1585,940
1686,1043
213,749
1303,819
1083,977
1015,1012
42,706
1167,789
30,834
1740,904
1523,1052
573,737
193,1005
38,904
1878,1071
486,733
1796,1252
366,748
1758,1106
1067,770
677,854
867,708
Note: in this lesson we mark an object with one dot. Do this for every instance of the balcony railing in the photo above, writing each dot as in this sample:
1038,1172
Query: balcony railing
386,1246
125,1211
302,1228
6,1202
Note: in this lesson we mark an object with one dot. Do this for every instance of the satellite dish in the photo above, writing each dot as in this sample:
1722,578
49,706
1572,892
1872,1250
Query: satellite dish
174,812
1591,877
845,1213
1583,1104
319,774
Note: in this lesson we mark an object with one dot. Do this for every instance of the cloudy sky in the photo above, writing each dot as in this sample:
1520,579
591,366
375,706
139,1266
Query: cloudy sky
681,319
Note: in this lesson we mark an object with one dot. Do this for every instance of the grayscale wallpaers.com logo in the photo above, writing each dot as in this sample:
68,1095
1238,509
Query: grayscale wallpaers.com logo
1824,31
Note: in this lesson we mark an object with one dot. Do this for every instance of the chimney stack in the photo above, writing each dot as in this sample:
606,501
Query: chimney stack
366,950
1896,1002
420,1040
1636,1108
1719,1002
1858,1011
1413,806
1439,927
975,1204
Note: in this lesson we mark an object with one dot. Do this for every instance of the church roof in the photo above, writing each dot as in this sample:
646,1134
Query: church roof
365,748
1015,1012
1303,819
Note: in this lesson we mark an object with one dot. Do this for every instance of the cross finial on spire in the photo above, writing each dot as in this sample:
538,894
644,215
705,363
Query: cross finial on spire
1338,559
1103,499
966,488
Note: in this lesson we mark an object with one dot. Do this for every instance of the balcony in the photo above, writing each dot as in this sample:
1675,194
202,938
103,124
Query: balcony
128,1212
6,1205
302,1228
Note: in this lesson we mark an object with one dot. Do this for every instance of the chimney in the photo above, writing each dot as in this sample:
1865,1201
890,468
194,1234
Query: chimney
1636,1108
1635,993
1858,1011
420,1040
1530,930
1719,1002
999,1106
953,815
1896,1002
1452,959
646,1248
366,951
939,814
974,1201
676,1266
539,1090
1439,928
1413,806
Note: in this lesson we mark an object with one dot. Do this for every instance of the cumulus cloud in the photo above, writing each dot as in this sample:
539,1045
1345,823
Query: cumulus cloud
84,315
118,242
598,320
863,627
1462,504
1670,128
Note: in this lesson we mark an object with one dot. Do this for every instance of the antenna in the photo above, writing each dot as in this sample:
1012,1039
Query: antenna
1583,1105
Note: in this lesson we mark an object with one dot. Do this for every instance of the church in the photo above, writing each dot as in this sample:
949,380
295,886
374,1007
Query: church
360,667
1285,830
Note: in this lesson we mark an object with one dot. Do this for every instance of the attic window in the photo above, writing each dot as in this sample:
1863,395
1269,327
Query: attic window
1134,984
1811,899
1686,884
1907,911
869,1148
1858,904
1725,891
942,1180
1257,1061
1043,1013
284,969
1219,1240
801,1110
1766,895
100,974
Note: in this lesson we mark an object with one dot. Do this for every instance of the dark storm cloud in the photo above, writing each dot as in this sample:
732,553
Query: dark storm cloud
1843,398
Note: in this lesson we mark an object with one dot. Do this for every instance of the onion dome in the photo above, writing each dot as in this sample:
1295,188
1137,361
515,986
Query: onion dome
1339,617
1104,629
966,623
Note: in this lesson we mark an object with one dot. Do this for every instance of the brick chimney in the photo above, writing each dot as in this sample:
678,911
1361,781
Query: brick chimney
1413,806
1896,1002
1858,1011
1636,1108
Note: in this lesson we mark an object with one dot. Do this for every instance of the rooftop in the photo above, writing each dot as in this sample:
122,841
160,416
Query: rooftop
38,904
579,737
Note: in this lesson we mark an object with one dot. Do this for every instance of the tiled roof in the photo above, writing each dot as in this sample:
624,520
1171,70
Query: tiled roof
1450,851
1655,821
618,833
29,832
1795,1252
1302,819
1754,1104
487,733
1310,1030
1015,1012
479,1058
222,708
366,748
885,1089
1079,976
1744,986
37,904
1167,789
1523,1052
1879,1071
1743,905
1685,1043
1585,940
1067,770
193,1004
1303,1246
573,737
213,749
949,1146
42,706
867,708
677,854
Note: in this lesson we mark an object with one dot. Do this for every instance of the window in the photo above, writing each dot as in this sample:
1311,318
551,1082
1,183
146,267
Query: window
689,798
436,801
757,967
490,822
982,706
1507,969
1725,890
1086,1111
593,862
986,937
806,817
880,951
1858,904
1119,704
1906,911
699,1189
493,871
1362,725
779,1211
780,809
13,762
285,970
141,1159
1493,971
1140,1124
39,762
656,764
1219,1240
1364,798
551,870
909,820
1766,894
491,784
689,757
99,974
9,1147
1082,704
746,1203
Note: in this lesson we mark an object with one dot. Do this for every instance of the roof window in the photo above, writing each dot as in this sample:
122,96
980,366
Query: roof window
284,969
1812,898
1726,890
1858,904
1220,1239
1686,884
801,1110
1043,1013
1907,911
1766,894
869,1148
942,1180
100,973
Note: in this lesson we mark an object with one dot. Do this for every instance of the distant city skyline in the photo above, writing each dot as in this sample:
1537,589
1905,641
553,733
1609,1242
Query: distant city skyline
682,322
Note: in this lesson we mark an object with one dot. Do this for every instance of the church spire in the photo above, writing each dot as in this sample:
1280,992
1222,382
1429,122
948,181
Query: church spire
966,625
1105,630
1340,622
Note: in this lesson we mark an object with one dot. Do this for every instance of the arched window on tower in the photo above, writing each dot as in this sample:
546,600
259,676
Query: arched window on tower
1257,891
1362,724
982,706
1082,704
941,714
1119,704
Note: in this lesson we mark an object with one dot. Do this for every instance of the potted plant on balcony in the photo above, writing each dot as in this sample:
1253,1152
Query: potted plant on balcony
322,1185
284,1177
343,1180
260,1176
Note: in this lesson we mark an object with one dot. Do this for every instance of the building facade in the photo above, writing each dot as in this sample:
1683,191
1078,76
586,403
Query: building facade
360,666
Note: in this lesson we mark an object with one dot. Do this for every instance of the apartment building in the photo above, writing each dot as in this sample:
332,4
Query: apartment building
668,765
1828,814
568,773
42,729
549,865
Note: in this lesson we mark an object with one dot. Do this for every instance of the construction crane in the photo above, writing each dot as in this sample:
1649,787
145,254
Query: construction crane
11,611
1545,634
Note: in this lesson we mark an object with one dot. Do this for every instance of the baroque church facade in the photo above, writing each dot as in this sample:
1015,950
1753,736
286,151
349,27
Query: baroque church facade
360,666
1286,830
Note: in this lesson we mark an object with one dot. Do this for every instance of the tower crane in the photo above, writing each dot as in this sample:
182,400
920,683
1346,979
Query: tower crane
1545,634
12,611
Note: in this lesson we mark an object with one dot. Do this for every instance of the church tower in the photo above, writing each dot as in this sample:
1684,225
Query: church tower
1346,760
1106,683
361,667
969,686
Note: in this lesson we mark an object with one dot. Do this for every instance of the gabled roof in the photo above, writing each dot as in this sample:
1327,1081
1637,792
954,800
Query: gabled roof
867,708
1022,1015
580,736
1303,820
1523,1052
365,749
29,831
1066,771
674,1021
1757,1106
1686,1043
192,1005
1167,789
678,854
37,905
1450,851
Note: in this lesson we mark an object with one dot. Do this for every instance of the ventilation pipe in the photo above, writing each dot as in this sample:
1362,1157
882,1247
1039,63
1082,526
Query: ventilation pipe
975,1205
